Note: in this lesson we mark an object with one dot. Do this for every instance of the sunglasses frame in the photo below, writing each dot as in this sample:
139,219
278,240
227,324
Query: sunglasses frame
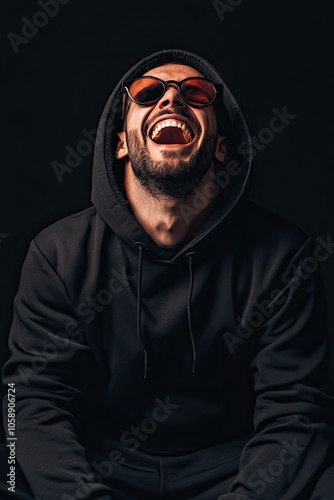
126,84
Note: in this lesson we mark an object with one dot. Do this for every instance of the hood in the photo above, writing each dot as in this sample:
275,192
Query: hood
232,181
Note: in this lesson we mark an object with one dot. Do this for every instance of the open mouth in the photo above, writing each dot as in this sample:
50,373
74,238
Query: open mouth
171,131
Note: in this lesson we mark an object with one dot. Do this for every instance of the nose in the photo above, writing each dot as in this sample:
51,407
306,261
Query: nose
171,97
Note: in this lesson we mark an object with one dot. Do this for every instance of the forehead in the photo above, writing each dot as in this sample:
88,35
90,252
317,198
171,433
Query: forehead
173,71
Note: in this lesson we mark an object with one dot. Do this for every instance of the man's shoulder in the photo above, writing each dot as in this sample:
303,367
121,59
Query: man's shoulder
69,226
69,235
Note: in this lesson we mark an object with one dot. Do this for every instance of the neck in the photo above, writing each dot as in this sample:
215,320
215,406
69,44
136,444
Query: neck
169,221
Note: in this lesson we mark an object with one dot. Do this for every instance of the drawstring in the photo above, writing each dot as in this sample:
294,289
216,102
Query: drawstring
139,291
191,281
140,262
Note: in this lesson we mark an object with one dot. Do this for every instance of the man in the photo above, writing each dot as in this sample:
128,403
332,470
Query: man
170,341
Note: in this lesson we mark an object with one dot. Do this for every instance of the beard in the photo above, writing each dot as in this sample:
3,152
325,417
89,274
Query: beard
172,176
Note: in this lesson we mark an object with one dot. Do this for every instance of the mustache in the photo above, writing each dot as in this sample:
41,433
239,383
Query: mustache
176,111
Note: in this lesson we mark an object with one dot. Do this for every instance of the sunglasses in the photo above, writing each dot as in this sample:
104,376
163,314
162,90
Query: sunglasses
146,90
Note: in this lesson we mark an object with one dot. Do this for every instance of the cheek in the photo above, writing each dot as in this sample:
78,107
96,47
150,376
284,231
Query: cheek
212,121
208,123
136,118
209,127
132,122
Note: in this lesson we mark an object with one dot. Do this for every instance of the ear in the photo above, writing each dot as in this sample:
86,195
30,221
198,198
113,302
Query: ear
121,146
221,149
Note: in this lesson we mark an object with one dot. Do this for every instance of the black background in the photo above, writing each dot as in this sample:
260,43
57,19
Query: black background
271,53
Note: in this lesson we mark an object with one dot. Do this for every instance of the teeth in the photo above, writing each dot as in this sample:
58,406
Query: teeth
172,123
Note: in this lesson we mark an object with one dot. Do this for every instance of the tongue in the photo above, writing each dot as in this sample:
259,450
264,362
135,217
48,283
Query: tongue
171,135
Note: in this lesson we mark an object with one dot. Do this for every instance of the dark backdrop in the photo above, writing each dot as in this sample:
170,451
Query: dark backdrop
271,53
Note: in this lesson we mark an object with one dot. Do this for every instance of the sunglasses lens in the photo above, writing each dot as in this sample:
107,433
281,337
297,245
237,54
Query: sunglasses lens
198,92
146,90
195,91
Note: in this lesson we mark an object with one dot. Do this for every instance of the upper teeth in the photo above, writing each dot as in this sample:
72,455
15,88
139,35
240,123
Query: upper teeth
172,123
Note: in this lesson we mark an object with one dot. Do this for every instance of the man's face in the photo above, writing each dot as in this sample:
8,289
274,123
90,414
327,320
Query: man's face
170,160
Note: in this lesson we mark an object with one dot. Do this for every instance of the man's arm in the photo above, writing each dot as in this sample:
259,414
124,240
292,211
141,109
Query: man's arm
49,359
293,418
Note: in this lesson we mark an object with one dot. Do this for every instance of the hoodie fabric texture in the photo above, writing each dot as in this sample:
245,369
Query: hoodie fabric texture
120,344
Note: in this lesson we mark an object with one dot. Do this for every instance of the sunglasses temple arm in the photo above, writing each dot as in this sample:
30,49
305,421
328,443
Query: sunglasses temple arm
124,99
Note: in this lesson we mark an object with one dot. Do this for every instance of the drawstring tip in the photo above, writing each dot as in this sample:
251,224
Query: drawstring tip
189,255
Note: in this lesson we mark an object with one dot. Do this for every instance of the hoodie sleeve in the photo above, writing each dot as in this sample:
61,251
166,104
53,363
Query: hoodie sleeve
293,418
48,360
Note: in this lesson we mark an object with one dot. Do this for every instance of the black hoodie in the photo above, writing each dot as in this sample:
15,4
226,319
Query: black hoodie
229,328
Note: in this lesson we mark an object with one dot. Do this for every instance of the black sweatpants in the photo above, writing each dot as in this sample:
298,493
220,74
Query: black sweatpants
203,475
